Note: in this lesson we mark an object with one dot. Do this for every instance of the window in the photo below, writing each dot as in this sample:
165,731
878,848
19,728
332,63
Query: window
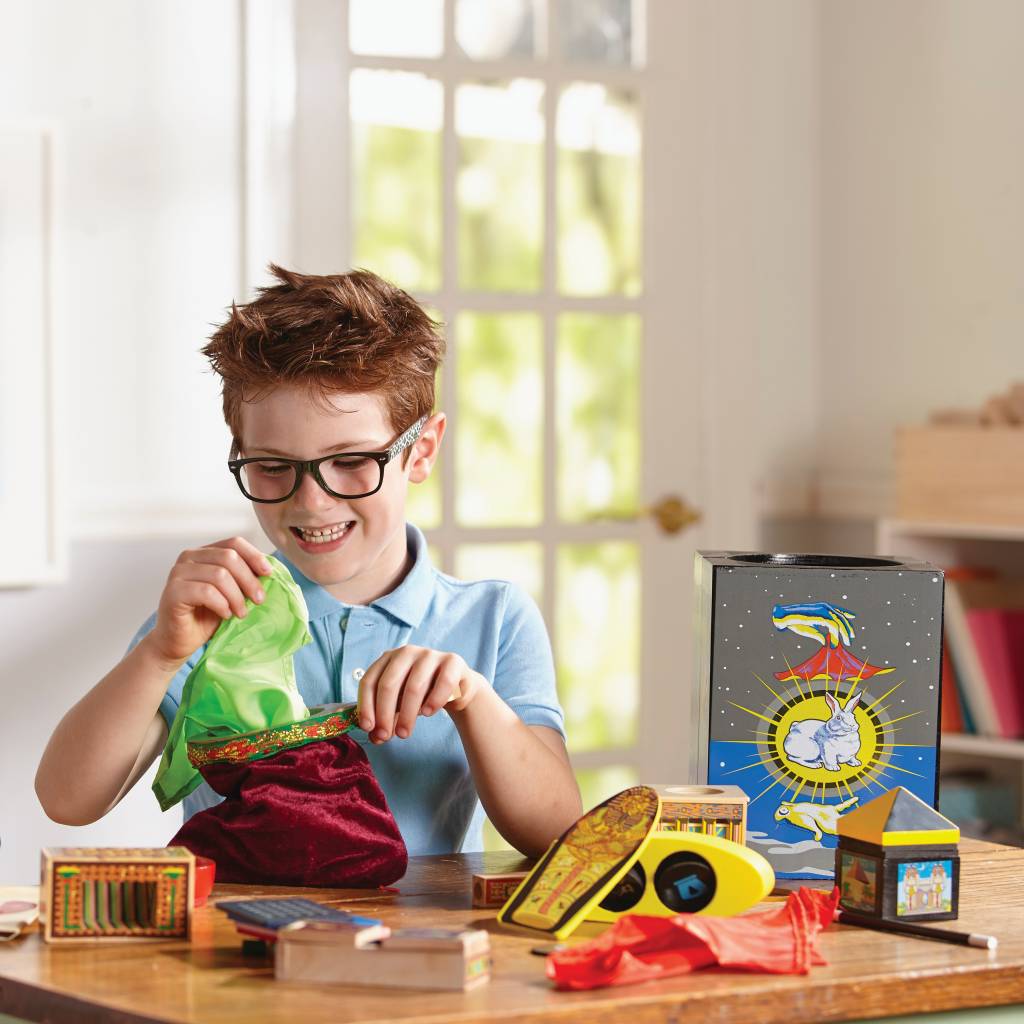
495,167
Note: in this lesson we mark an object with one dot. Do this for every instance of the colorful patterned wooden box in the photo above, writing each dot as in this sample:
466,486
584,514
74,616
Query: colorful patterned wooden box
706,810
94,894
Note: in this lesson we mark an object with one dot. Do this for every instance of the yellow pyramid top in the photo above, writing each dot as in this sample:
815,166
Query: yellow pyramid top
898,818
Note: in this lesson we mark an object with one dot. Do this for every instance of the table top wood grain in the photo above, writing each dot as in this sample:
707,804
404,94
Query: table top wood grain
869,974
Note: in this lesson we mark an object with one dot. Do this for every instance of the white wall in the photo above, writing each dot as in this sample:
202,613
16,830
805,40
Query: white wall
760,258
143,103
922,200
58,642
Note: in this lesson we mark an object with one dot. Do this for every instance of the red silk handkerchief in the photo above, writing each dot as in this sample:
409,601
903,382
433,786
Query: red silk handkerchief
638,948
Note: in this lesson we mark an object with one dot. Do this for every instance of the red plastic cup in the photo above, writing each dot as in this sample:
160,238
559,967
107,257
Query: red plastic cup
206,870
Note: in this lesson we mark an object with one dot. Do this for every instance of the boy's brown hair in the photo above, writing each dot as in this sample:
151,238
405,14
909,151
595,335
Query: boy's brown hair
351,332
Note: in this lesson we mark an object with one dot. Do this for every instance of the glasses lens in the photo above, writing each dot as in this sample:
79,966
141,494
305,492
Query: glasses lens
267,480
351,475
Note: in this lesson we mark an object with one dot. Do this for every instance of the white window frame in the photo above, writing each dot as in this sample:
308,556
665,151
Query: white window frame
676,307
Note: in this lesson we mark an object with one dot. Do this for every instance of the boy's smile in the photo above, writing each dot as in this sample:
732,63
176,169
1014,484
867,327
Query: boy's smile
319,540
353,547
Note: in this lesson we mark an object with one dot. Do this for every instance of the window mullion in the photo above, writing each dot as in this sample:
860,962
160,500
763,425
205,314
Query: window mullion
503,69
449,297
549,307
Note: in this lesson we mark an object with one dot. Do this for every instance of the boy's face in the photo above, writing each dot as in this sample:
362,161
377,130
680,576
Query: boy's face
366,554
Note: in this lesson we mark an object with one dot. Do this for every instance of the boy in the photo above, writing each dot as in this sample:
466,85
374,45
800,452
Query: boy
328,388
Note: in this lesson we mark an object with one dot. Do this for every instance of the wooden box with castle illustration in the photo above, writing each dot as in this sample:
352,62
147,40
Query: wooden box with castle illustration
817,689
898,860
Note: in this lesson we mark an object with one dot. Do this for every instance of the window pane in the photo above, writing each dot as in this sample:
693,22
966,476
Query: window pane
396,28
492,839
600,31
423,503
597,784
500,419
499,189
597,628
491,29
522,563
598,382
598,135
396,176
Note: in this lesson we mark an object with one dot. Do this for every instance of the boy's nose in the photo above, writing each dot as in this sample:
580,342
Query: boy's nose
311,495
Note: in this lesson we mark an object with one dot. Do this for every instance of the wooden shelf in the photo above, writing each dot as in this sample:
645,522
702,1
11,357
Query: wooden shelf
964,531
954,544
986,746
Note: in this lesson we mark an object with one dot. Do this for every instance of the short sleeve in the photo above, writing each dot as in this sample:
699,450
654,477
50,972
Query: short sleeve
525,672
172,698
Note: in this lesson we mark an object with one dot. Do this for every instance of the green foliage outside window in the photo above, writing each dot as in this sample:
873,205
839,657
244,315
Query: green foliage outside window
598,410
500,407
597,627
396,204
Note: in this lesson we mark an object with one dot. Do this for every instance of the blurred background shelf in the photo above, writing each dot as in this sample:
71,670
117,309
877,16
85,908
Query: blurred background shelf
954,543
958,473
987,746
981,777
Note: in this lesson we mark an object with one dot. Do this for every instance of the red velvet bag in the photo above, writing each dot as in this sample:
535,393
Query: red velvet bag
310,815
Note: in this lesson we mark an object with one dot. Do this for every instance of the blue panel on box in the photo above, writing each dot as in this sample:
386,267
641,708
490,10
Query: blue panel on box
817,690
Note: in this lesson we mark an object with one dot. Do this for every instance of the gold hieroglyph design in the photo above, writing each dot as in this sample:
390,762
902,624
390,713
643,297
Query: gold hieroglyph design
599,844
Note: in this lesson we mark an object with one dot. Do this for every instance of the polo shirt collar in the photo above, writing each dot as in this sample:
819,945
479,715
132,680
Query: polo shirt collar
408,602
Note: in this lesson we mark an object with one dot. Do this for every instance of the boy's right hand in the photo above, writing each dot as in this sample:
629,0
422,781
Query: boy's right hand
205,586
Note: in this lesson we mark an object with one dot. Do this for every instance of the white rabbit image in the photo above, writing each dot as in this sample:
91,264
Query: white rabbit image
816,744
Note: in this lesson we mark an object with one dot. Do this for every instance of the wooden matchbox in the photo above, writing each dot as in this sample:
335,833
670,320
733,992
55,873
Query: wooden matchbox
493,891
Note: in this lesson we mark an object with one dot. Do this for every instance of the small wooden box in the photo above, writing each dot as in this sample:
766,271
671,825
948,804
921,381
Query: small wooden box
914,883
108,894
897,859
328,952
492,891
960,474
706,810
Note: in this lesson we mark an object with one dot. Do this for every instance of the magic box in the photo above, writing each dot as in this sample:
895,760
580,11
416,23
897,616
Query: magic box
817,689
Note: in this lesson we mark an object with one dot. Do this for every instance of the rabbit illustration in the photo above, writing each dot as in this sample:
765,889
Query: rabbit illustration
816,818
816,744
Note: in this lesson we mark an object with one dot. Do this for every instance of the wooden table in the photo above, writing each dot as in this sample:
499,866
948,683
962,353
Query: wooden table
869,974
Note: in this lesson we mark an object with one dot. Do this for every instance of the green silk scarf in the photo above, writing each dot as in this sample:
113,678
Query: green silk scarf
244,680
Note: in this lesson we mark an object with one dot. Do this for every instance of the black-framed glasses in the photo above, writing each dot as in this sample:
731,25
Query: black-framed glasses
270,479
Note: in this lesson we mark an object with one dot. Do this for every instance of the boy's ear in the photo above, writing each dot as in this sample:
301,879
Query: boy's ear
425,451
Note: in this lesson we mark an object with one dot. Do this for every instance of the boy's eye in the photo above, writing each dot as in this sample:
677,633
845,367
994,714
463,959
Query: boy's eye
269,468
347,463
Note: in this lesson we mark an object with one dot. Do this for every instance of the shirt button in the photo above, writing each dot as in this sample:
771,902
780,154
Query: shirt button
358,674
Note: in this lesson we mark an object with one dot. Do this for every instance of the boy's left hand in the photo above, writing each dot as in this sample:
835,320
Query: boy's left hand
411,681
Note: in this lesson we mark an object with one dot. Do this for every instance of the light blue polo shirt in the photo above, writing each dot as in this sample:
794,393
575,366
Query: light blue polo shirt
492,624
